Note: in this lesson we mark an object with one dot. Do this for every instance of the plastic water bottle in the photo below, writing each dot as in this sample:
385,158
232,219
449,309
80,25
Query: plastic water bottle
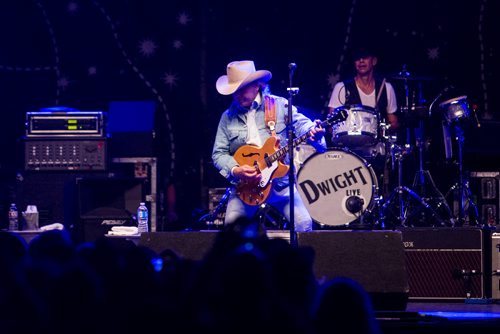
142,218
13,218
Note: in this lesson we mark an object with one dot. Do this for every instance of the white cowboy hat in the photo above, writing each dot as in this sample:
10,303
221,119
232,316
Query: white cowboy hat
239,74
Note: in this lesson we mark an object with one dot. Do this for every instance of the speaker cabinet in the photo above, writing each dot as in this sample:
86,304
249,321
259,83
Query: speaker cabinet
373,258
107,202
444,263
54,194
187,245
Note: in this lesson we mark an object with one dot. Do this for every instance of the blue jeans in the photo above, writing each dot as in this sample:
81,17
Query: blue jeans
280,200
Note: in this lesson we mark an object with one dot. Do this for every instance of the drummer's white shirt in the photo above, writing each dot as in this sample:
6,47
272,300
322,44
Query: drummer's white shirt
338,99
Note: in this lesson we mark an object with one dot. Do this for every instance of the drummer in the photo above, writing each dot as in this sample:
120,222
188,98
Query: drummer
371,91
366,89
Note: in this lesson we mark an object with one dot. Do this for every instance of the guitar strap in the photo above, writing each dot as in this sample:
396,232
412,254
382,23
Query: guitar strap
270,113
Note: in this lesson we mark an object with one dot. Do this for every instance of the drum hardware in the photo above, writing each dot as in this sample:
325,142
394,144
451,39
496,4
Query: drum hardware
423,179
405,210
461,187
269,217
416,113
454,111
414,107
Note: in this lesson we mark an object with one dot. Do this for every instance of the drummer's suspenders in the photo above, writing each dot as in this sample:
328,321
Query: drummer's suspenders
352,95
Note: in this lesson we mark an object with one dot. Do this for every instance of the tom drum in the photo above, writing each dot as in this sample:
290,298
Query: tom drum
360,127
455,108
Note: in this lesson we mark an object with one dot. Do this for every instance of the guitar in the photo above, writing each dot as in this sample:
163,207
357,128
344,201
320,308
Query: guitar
267,160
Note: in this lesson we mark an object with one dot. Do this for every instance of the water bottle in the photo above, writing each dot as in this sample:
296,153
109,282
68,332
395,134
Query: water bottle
142,218
13,218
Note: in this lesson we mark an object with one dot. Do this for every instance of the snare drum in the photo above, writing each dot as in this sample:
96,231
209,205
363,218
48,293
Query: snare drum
331,183
455,108
359,129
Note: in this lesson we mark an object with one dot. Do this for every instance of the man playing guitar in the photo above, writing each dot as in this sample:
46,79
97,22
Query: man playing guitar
247,145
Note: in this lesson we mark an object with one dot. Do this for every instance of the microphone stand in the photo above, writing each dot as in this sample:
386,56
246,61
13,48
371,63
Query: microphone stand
291,172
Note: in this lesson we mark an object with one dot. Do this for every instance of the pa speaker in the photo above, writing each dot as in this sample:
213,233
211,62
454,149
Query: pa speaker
375,259
187,245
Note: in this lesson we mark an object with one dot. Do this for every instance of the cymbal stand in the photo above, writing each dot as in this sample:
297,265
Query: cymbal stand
423,178
462,186
399,193
406,108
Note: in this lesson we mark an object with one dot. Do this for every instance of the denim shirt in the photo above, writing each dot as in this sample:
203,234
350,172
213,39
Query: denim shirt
232,133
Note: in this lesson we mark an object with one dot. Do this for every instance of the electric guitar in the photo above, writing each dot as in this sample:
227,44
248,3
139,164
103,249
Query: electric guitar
268,161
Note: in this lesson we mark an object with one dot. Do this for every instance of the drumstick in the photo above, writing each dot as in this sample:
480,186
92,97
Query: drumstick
379,92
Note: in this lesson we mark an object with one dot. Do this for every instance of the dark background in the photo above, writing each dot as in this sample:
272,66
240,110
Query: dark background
85,54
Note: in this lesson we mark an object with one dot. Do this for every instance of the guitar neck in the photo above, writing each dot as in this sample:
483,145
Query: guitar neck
279,154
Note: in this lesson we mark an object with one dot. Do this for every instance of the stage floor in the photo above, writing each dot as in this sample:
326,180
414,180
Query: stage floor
443,317
469,309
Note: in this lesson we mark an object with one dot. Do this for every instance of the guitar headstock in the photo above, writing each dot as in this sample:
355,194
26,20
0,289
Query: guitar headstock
338,117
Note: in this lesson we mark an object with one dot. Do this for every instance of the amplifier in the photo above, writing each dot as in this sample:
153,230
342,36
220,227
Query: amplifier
445,263
495,265
64,154
65,124
486,187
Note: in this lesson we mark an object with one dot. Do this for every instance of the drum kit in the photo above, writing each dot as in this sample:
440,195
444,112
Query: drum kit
340,187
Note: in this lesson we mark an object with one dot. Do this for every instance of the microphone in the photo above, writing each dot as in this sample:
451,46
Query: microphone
443,91
292,66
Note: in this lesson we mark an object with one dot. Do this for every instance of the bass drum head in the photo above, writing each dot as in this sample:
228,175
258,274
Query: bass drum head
337,187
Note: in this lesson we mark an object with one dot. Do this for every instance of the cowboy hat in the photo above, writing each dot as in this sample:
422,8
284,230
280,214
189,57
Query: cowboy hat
239,74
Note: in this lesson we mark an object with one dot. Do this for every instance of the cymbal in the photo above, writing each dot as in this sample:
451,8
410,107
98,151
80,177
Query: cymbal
410,77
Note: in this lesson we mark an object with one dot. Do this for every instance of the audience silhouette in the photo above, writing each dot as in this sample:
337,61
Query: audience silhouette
343,306
246,283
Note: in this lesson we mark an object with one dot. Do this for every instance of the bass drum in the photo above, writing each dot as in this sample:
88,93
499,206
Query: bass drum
337,187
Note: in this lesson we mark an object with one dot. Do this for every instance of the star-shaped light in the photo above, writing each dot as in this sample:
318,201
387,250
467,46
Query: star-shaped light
433,53
183,18
170,79
92,70
147,47
72,7
177,44
63,83
333,79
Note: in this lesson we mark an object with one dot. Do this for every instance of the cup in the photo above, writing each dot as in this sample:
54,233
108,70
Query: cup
31,217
